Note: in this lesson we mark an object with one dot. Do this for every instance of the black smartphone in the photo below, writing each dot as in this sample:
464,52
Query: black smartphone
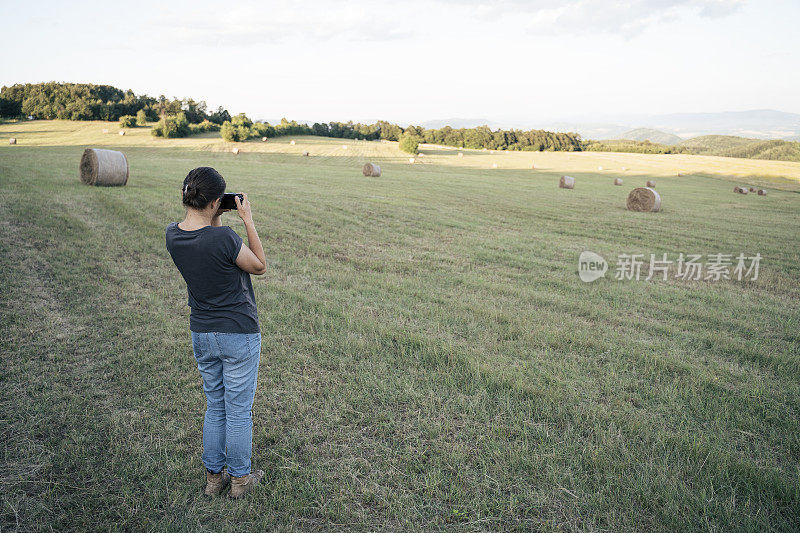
228,202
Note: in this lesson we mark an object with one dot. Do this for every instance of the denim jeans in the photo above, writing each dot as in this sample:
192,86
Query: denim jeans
228,363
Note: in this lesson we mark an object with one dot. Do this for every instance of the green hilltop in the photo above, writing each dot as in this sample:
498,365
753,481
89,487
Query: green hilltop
652,135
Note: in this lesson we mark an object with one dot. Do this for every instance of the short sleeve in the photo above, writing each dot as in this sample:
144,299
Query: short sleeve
231,244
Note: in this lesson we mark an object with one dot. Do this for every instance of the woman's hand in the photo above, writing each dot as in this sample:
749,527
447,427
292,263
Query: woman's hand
243,207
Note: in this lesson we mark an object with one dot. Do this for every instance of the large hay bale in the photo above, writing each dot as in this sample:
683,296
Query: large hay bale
12,140
566,182
599,168
344,147
752,189
291,142
651,183
104,167
263,139
371,170
644,199
305,154
494,165
411,160
235,150
617,181
762,192
122,132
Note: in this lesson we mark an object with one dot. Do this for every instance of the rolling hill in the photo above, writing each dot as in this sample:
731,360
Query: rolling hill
730,146
649,134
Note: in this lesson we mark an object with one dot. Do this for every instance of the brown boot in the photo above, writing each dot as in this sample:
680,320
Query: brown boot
216,482
242,485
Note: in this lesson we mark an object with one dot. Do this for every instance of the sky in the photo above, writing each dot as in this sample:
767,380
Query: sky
412,61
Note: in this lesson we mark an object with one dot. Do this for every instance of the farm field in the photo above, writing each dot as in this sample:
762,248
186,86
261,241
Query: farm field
431,359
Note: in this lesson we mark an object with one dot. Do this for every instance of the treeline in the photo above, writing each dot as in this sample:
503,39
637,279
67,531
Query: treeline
86,101
242,128
182,117
476,138
636,147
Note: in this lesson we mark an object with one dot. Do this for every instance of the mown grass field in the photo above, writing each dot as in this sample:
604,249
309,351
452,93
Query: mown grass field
430,359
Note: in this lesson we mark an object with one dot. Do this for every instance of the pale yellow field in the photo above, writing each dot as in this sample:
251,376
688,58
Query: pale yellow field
778,174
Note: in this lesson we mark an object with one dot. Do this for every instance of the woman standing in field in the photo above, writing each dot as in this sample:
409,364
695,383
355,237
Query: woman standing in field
226,337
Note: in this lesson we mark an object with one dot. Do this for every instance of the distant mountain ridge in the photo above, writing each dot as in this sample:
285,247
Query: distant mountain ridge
756,123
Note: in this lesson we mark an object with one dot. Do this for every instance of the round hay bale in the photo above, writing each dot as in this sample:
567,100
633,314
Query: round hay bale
680,174
644,199
122,133
566,182
12,140
494,165
305,154
263,139
617,181
372,170
235,150
411,160
762,192
752,189
344,147
651,183
104,167
743,190
291,142
599,168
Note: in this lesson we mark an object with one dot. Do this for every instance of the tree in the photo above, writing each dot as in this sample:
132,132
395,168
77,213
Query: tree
409,143
141,118
172,126
127,121
220,116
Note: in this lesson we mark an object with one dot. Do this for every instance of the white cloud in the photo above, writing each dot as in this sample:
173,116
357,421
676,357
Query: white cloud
627,18
254,23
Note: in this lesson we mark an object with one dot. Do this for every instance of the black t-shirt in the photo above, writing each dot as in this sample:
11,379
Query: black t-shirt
220,293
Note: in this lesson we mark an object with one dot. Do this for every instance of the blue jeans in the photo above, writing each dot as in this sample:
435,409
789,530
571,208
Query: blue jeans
228,363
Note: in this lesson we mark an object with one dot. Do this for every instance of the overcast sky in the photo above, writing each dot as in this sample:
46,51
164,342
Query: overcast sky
415,60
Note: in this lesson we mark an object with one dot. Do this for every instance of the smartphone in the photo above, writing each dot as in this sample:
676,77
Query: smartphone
228,202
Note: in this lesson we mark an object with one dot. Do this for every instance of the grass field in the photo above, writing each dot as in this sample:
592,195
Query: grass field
430,359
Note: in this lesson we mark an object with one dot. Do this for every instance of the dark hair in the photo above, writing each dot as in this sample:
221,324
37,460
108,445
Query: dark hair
202,186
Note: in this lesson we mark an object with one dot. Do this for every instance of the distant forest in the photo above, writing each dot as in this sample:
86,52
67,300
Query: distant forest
181,117
716,145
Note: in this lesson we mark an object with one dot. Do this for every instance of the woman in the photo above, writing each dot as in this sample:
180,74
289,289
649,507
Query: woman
226,338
